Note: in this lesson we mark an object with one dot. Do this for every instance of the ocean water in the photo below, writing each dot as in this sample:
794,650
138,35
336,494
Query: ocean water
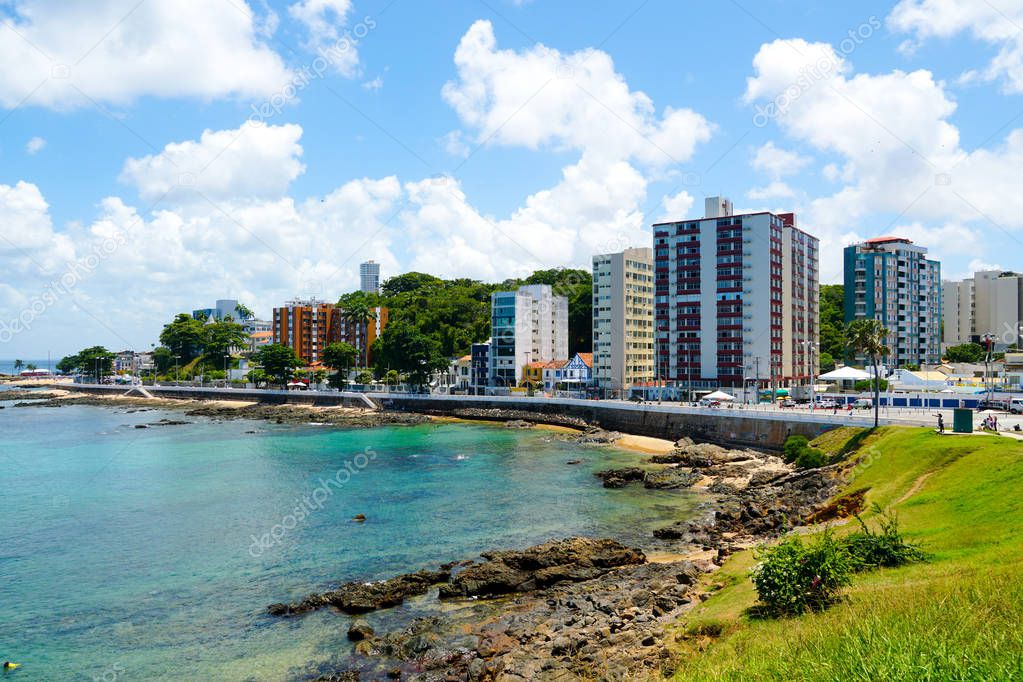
152,553
7,365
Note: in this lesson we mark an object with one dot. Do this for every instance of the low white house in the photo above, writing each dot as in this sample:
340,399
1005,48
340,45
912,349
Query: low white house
908,380
460,373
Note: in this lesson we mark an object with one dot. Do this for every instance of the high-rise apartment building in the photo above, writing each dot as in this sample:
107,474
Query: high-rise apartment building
527,325
623,319
307,326
890,279
369,277
735,300
988,304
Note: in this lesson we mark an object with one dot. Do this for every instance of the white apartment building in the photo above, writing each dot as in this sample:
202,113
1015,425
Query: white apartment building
735,299
623,319
989,303
527,325
890,279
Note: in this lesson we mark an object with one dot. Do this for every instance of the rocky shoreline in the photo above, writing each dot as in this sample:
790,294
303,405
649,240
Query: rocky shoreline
580,608
217,411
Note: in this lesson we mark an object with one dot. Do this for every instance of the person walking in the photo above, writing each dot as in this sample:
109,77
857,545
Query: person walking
941,423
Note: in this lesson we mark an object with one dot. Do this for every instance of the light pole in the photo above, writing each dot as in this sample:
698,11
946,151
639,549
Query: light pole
810,345
177,375
226,358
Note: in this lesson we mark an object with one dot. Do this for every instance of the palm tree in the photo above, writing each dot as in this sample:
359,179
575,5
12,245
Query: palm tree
869,337
18,364
357,312
244,312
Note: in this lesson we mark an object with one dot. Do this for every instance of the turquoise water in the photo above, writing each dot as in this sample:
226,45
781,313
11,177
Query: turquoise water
132,553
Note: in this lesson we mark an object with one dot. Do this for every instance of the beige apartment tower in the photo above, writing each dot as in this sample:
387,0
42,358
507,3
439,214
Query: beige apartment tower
623,319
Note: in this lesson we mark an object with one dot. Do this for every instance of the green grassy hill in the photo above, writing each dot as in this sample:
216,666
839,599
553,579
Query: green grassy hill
957,617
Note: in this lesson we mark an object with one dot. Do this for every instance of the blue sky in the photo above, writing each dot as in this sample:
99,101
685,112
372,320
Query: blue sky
155,156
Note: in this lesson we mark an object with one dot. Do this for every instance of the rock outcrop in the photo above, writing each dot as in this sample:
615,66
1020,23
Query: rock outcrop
557,561
365,597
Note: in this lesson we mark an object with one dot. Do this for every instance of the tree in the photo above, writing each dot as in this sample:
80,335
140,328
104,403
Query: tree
185,336
827,363
277,361
31,367
18,364
163,359
339,357
219,338
832,322
244,313
257,376
95,360
392,378
869,338
409,282
364,377
966,352
404,348
67,364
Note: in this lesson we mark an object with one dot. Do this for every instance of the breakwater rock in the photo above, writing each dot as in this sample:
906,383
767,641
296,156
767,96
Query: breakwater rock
294,414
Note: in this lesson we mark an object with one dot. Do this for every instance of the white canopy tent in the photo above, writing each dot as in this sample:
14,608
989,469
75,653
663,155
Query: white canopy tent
719,395
846,374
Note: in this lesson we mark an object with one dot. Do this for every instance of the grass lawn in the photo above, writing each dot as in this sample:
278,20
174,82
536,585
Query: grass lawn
957,617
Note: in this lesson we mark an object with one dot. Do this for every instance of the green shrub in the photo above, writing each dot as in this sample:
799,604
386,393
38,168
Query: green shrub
793,446
886,548
794,577
810,458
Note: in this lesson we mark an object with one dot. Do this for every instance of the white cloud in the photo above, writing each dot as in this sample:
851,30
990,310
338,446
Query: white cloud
325,21
676,207
539,97
774,190
69,54
455,145
777,162
253,161
374,85
35,145
997,24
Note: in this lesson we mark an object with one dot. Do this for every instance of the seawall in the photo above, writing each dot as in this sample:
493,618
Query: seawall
723,426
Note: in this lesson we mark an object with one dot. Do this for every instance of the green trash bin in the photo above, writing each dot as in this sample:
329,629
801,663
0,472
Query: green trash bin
962,422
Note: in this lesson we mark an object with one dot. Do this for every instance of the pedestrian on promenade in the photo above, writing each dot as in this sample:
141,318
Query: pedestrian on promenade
941,423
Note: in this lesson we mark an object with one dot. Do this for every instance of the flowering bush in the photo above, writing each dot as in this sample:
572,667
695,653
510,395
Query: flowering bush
794,577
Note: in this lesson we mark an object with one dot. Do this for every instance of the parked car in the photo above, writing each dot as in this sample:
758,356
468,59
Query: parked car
995,405
788,402
1016,406
863,404
826,404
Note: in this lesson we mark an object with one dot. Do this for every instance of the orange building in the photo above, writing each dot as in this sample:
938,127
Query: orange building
309,326
306,326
